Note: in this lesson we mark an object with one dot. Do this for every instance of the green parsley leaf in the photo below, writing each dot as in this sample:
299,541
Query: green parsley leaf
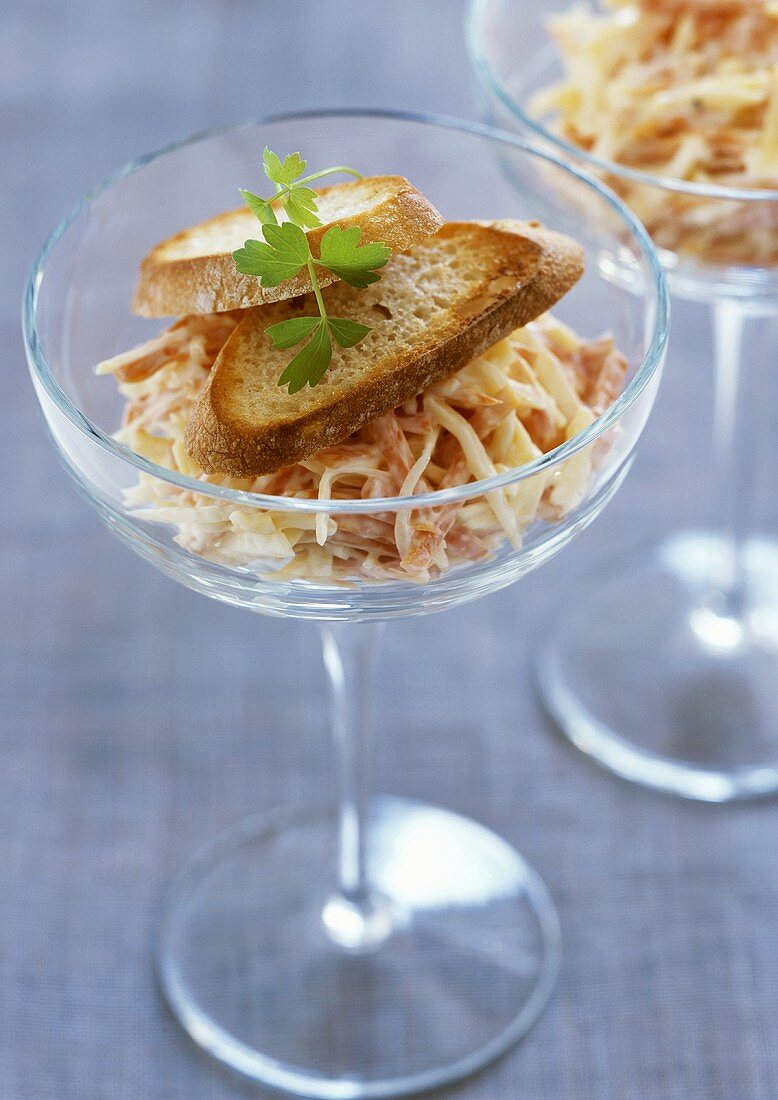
283,256
301,206
346,333
286,250
260,207
342,254
283,174
310,364
286,334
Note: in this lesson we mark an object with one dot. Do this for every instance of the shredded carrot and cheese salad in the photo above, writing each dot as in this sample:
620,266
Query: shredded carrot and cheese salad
524,396
681,89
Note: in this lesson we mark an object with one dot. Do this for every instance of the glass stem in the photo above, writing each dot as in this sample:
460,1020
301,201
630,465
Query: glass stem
355,917
731,327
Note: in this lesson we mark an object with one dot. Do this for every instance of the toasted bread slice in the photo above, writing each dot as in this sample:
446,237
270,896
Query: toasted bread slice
194,272
437,306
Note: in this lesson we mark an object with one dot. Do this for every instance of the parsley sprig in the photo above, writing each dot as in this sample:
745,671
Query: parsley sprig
285,251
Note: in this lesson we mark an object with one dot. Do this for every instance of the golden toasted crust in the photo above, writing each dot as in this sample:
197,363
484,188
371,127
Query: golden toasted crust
194,272
447,299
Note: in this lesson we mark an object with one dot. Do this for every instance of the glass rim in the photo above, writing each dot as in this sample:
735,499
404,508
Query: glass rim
479,56
652,359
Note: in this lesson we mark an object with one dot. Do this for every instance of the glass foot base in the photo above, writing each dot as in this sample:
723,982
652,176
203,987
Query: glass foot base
463,969
659,689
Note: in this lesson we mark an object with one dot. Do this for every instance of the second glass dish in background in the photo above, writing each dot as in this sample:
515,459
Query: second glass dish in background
676,687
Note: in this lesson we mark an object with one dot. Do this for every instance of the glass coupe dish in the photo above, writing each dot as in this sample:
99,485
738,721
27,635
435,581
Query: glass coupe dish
387,947
678,690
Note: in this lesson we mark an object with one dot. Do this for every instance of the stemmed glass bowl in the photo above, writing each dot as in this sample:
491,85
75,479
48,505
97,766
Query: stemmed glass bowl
382,947
678,688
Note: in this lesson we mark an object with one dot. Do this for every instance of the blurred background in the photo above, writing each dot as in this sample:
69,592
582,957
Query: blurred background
137,719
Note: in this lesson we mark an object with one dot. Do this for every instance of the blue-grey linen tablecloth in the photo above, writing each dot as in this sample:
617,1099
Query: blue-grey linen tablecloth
138,719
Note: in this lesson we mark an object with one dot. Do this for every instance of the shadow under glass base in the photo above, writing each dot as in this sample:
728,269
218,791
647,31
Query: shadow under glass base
640,675
468,962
